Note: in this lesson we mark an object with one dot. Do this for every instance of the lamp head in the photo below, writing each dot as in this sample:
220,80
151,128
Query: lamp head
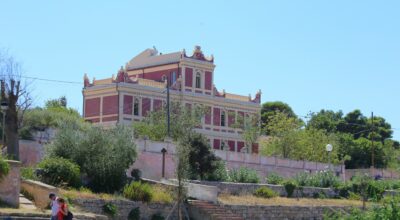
329,147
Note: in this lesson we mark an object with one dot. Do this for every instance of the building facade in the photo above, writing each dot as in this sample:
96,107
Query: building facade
140,86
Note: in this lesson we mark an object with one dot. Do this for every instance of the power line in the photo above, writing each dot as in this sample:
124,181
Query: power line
43,79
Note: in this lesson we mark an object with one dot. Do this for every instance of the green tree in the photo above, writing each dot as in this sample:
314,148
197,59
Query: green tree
203,163
102,154
327,120
269,109
183,121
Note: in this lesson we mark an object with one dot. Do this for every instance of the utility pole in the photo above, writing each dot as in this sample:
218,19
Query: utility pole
168,113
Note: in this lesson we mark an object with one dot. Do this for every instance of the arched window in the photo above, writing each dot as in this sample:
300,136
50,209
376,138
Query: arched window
136,107
223,117
198,80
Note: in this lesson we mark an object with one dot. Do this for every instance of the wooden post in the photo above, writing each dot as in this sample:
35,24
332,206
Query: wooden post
163,151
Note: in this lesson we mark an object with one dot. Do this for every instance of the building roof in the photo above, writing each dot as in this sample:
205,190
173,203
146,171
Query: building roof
150,57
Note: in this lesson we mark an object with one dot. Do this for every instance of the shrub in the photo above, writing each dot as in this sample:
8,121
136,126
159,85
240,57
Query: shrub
157,216
28,173
4,168
138,191
110,209
134,214
136,174
290,187
319,179
343,190
274,178
265,192
162,195
102,154
59,171
244,175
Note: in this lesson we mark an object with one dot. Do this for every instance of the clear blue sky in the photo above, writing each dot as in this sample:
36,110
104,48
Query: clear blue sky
340,55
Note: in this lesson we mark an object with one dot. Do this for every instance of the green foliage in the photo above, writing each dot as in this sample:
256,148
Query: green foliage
134,214
243,175
290,186
203,163
102,154
288,140
4,168
274,178
54,115
265,192
268,111
58,171
219,173
28,173
320,179
136,174
325,120
157,216
389,210
184,121
138,191
110,209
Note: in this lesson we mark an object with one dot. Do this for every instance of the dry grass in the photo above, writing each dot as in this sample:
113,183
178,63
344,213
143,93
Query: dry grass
23,211
162,194
282,201
87,194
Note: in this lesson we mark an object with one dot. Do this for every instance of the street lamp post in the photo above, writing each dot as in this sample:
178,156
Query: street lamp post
329,148
4,107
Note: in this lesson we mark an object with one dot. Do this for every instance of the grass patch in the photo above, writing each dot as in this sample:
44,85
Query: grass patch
282,201
85,193
162,195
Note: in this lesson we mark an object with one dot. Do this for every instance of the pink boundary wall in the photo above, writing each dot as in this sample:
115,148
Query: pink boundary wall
149,161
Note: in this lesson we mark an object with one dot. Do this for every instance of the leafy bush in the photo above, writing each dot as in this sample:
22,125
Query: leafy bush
138,191
162,194
274,178
319,179
28,173
290,187
265,192
110,209
4,168
136,174
388,210
243,175
102,154
59,171
157,216
219,173
134,214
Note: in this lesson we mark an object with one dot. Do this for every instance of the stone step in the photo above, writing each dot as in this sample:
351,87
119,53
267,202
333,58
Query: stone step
214,211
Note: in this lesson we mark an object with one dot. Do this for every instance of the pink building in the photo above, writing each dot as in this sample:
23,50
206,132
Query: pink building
140,87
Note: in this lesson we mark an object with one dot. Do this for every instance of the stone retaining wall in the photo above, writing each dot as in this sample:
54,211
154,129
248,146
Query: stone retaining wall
39,191
10,185
147,210
250,188
257,212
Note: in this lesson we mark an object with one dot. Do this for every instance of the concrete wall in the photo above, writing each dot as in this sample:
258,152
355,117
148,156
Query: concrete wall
124,207
10,185
250,188
149,161
39,191
257,212
384,173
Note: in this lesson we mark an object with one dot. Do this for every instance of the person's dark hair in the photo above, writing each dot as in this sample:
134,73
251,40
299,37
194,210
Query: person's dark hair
60,200
52,195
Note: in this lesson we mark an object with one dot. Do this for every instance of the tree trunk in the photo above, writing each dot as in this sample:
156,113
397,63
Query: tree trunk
11,130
